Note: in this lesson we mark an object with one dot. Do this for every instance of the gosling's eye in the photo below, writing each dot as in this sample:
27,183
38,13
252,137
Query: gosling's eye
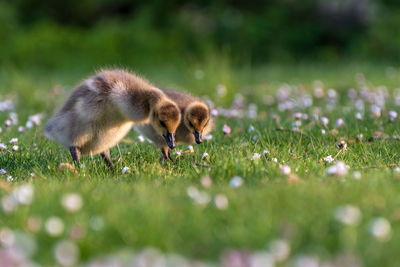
190,124
162,123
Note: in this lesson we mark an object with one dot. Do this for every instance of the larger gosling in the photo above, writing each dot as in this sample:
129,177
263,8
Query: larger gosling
102,110
196,121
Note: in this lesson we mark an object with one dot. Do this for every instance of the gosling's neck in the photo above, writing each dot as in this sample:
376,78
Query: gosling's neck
154,96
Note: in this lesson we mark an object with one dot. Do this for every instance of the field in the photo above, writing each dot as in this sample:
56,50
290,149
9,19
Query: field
267,194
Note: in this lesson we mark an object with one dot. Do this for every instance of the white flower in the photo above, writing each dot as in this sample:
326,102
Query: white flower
29,124
226,129
255,156
236,182
285,169
3,171
359,105
297,116
359,116
323,131
205,155
192,192
274,159
332,93
376,111
190,148
72,202
15,147
306,261
10,178
328,159
7,123
352,93
7,237
178,153
265,152
339,122
348,214
280,249
199,197
206,181
140,138
261,259
54,226
380,228
126,169
221,201
9,203
21,129
202,198
14,141
392,115
6,105
325,121
252,112
34,120
14,118
207,137
251,128
357,175
339,168
66,253
318,92
24,194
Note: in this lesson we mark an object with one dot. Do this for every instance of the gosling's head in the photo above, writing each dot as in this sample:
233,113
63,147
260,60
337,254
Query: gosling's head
165,118
196,118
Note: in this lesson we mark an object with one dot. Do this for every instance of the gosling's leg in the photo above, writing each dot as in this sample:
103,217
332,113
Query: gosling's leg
106,156
76,155
166,154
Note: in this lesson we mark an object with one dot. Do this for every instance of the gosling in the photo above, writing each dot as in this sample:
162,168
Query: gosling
102,110
195,122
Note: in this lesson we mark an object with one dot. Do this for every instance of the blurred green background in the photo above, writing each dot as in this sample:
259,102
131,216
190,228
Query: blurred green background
85,34
250,50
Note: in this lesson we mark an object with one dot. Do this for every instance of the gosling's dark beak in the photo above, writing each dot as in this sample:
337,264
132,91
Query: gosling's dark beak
170,139
198,137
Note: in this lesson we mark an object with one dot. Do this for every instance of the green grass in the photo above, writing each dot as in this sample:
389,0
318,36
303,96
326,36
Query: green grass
150,207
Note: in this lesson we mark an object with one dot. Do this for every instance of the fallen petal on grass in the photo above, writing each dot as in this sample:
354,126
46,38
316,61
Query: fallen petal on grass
293,178
67,166
126,170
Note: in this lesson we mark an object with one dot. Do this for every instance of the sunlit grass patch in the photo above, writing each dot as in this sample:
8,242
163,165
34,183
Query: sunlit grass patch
291,174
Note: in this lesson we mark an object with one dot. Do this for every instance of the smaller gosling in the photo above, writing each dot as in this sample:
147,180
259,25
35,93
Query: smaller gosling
102,110
196,121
